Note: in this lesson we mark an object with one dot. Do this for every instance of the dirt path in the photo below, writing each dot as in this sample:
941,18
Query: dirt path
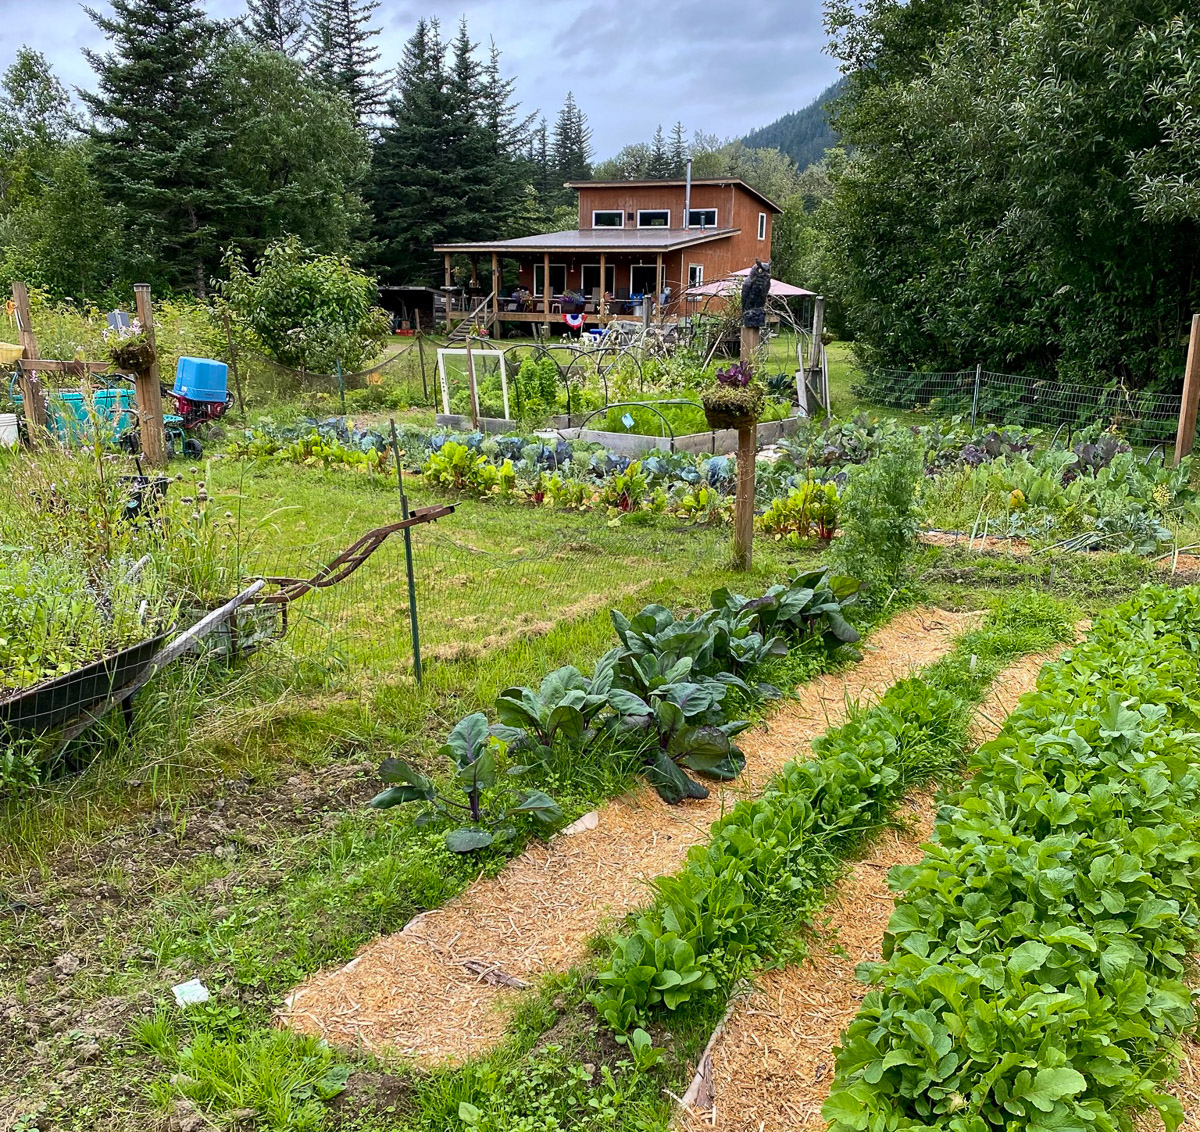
772,1065
444,987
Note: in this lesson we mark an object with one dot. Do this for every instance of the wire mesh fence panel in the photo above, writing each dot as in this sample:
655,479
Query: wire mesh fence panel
1011,399
1145,418
950,392
473,599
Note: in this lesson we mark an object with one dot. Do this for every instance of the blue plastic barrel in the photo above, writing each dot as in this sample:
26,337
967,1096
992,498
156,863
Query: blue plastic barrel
201,379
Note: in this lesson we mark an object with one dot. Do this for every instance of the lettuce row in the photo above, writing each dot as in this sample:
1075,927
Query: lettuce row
1032,974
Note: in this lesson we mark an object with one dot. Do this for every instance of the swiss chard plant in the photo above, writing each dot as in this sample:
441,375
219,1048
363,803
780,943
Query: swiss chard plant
487,808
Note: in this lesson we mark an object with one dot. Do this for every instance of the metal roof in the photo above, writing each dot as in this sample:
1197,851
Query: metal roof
678,183
600,240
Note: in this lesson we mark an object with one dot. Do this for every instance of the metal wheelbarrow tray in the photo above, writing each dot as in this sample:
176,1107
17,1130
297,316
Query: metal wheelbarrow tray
60,699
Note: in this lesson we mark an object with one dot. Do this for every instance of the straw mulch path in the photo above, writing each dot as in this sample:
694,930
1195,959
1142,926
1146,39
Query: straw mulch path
772,1066
444,987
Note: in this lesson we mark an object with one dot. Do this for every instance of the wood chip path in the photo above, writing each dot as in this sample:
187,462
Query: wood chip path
444,988
772,1065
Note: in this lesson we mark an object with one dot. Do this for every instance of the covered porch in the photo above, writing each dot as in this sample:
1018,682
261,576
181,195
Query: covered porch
584,277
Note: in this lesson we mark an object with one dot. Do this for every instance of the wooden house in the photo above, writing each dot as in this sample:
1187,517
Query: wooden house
638,243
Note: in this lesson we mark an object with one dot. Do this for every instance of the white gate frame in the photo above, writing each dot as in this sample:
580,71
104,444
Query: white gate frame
443,351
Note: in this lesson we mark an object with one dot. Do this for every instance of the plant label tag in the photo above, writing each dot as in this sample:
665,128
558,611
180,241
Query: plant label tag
190,993
627,421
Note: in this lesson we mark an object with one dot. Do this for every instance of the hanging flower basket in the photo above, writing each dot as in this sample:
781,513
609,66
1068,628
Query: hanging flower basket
733,405
134,354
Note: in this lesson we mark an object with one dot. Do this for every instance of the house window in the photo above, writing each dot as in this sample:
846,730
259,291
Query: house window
695,274
702,218
643,279
762,225
608,218
589,279
654,218
558,278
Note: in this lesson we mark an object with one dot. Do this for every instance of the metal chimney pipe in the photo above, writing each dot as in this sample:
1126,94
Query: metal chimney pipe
687,197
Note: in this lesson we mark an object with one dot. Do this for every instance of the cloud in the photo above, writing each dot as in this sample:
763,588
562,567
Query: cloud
720,68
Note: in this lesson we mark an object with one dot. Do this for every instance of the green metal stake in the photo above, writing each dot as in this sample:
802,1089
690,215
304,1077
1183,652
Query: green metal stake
408,557
342,391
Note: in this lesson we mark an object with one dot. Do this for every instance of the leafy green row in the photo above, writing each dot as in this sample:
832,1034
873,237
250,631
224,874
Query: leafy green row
739,898
1032,973
661,702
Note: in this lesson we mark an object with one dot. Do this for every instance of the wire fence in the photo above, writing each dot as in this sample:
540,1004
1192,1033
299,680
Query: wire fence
472,599
1146,418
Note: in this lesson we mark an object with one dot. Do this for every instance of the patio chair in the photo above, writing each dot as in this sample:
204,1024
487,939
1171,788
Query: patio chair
623,301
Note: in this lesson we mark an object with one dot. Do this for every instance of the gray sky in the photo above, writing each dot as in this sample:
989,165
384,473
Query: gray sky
724,68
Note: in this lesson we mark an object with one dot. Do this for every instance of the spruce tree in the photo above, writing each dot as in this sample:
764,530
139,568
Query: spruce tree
155,139
415,183
278,25
659,166
571,146
509,135
343,54
678,151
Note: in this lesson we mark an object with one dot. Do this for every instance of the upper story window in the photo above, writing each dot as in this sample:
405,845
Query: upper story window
702,218
608,218
762,225
654,218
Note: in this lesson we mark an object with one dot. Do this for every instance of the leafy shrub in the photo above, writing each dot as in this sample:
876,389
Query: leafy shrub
306,311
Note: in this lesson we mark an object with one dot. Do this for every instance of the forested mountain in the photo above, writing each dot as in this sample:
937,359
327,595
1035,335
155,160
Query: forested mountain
804,135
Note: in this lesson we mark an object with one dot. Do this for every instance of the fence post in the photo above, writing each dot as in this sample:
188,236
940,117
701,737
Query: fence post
341,384
743,500
1185,437
408,558
975,398
32,404
148,390
421,357
233,363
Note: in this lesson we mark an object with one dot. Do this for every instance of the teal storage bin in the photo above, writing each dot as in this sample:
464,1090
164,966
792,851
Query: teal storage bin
201,379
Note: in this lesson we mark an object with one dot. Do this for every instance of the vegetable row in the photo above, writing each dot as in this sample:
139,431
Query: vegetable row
665,701
1033,972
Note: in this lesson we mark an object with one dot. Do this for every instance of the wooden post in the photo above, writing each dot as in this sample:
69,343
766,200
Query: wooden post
233,363
602,309
546,293
147,389
658,287
449,279
474,271
421,358
32,404
1186,436
814,354
474,387
495,290
743,501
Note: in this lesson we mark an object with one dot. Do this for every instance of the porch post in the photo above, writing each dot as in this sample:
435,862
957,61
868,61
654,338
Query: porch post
546,292
602,309
495,288
448,280
474,271
658,286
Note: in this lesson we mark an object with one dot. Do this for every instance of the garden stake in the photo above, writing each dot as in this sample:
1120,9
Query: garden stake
975,398
408,558
341,385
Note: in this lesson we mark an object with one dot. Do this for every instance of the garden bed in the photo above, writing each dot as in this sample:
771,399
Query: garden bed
771,1064
716,442
444,987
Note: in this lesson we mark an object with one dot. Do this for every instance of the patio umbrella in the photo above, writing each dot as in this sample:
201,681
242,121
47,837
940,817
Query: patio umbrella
779,289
